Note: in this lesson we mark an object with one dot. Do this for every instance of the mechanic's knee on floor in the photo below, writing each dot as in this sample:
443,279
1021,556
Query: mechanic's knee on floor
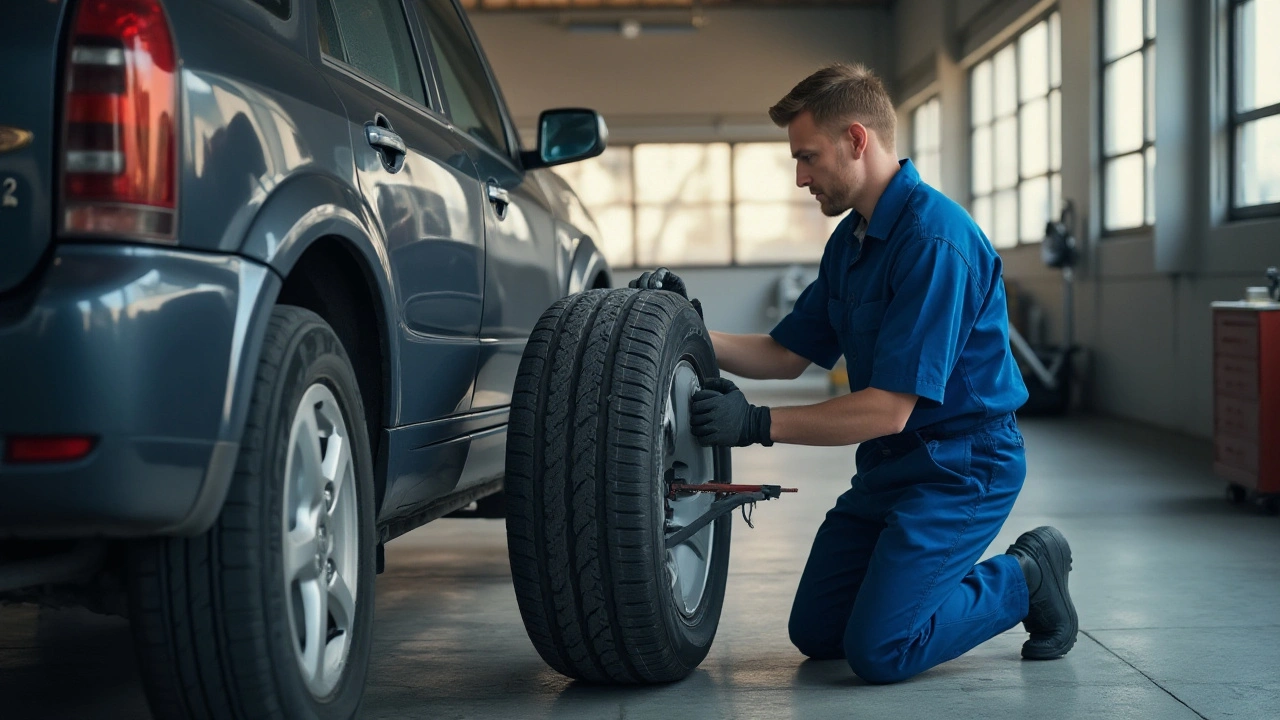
875,658
878,670
815,640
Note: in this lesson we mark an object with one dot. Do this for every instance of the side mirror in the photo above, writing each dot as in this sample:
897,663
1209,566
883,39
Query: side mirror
565,136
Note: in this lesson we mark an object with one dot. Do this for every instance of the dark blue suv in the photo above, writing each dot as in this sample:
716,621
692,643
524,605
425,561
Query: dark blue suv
267,271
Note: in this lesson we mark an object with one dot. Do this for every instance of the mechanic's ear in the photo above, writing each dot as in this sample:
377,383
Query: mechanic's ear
860,138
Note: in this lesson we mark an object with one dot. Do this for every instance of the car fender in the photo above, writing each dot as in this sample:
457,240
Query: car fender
312,206
300,211
588,265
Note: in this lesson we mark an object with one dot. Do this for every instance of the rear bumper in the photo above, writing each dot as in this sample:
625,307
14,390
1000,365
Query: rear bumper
151,350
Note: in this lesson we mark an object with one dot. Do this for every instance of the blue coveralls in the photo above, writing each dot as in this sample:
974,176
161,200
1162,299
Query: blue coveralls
915,301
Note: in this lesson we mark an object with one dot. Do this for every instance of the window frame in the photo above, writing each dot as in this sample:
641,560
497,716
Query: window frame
1237,119
1148,43
281,9
634,205
422,35
1050,173
936,150
343,65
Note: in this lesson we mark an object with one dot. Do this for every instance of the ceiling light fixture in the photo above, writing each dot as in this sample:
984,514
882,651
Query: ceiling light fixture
632,28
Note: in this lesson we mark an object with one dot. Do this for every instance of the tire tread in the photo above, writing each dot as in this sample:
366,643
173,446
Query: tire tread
198,604
580,499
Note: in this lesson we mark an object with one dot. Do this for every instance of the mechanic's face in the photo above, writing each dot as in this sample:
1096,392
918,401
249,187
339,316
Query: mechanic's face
825,164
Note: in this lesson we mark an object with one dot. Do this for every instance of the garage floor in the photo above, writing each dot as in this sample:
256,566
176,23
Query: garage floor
1178,594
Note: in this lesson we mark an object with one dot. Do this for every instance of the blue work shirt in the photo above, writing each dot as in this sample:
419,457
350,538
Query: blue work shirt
916,304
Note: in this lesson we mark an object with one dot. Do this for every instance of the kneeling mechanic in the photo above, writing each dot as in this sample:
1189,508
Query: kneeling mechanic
910,291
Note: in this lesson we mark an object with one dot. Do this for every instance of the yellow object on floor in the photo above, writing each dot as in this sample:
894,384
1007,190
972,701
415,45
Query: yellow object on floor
838,379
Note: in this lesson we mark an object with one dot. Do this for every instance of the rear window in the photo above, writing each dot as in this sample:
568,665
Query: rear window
373,37
280,8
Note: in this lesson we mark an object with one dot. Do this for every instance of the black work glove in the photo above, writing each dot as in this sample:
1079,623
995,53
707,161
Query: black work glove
664,279
660,279
722,416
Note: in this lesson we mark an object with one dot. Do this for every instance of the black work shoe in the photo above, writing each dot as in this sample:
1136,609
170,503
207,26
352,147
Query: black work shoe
1045,559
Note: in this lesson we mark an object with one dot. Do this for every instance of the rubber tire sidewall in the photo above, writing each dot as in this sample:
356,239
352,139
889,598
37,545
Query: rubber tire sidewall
689,340
315,354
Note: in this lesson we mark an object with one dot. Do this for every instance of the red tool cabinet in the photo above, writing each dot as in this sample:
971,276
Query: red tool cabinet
1246,398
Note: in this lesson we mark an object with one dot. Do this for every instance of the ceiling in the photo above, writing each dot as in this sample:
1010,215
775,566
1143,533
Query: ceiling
483,5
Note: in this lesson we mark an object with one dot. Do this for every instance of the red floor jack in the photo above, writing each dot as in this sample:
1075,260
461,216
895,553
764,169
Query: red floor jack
728,497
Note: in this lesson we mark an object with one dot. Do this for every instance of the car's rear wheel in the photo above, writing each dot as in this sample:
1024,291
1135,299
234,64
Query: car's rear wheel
269,613
599,429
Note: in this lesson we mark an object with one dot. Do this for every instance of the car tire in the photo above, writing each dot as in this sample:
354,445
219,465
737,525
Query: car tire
231,623
598,429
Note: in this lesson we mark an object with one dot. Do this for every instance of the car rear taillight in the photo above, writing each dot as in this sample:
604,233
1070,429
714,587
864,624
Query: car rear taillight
120,120
42,449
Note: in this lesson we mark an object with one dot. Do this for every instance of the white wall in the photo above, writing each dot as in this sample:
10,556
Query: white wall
919,31
1142,301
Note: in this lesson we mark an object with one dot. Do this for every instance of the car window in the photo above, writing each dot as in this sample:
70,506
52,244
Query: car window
279,8
373,37
330,38
473,105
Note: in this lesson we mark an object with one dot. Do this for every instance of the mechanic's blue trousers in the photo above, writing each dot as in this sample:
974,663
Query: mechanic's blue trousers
891,584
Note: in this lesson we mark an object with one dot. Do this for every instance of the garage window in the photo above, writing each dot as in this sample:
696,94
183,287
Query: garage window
926,141
682,204
700,204
1255,108
1015,114
603,183
775,222
1128,114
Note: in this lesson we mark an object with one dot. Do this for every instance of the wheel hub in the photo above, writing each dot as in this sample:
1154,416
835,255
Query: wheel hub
685,461
320,537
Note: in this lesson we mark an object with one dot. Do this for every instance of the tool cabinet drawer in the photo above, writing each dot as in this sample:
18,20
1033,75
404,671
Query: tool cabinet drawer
1246,395
1236,376
1236,452
1236,334
1236,417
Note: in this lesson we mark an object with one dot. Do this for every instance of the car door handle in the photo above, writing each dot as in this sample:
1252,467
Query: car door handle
499,198
381,137
390,146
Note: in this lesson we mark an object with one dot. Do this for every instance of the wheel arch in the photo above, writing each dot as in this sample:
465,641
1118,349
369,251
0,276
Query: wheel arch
589,269
317,235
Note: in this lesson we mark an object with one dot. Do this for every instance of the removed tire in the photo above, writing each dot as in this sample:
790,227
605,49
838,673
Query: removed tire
599,428
269,613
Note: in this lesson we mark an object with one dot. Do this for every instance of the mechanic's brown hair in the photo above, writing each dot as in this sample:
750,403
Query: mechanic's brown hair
840,94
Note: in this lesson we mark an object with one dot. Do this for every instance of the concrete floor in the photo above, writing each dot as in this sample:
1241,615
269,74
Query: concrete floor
1178,594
